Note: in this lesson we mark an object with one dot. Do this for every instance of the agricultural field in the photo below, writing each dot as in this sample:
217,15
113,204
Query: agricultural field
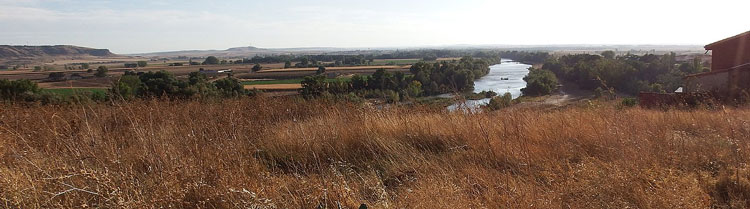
286,84
74,91
366,67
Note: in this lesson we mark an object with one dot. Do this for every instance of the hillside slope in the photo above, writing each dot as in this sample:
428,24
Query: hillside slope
7,51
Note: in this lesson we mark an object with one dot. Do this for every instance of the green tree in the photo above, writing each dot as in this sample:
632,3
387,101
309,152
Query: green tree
160,83
313,86
359,82
321,70
257,68
127,87
414,89
287,64
18,90
101,71
608,54
142,63
539,82
230,87
211,60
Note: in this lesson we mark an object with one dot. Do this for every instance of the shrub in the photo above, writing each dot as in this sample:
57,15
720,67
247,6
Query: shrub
127,87
313,85
18,89
230,87
500,102
629,102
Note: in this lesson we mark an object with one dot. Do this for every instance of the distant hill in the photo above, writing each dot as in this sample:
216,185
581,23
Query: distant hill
13,52
248,51
572,48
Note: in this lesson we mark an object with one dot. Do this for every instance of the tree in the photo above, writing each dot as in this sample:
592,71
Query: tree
313,85
85,66
127,87
160,83
381,79
321,70
56,76
257,68
359,82
101,71
608,54
287,64
414,89
500,102
539,82
142,63
211,60
230,87
18,89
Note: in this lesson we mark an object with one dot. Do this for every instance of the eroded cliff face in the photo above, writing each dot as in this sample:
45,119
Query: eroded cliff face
7,51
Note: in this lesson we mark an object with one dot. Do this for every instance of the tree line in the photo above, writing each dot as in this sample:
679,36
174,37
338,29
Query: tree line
425,79
629,73
366,59
160,84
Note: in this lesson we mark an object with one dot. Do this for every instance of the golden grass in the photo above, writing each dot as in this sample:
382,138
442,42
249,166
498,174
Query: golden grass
288,153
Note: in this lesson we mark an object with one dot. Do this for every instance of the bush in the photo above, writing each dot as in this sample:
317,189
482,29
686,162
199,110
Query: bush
313,85
127,87
18,89
500,102
539,82
142,63
230,87
629,102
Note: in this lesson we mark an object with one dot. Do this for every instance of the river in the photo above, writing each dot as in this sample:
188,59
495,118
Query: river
506,77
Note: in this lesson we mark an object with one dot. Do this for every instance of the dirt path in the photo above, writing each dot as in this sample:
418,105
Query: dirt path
567,94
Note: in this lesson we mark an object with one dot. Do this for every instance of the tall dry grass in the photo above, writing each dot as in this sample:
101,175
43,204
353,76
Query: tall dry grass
287,153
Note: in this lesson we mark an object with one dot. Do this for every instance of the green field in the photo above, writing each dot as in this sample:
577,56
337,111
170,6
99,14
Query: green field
73,91
287,81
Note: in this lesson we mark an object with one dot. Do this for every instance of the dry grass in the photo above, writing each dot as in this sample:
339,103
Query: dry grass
286,153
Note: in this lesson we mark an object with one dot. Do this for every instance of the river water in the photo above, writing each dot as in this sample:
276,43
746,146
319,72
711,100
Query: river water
506,77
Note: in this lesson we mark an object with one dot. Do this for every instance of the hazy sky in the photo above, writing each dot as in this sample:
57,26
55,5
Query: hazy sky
162,25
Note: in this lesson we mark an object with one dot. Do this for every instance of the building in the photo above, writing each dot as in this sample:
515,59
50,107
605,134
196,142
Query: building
730,69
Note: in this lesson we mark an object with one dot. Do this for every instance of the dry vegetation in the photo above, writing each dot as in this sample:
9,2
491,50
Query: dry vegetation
286,153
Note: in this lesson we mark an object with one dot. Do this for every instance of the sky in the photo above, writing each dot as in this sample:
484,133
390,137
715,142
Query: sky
139,26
